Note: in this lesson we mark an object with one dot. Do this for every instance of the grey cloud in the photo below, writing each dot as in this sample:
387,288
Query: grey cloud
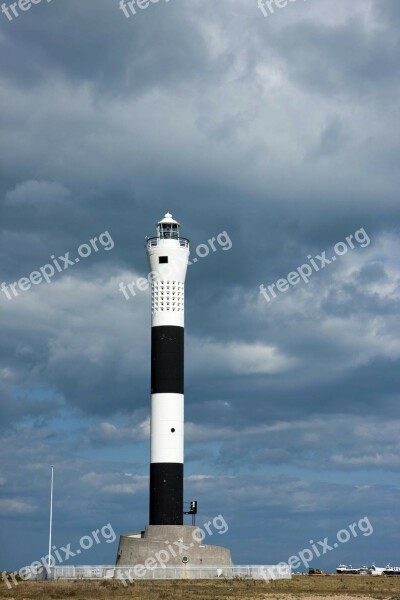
331,139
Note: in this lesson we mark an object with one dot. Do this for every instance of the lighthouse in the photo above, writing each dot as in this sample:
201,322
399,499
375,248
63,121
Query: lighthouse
168,259
168,256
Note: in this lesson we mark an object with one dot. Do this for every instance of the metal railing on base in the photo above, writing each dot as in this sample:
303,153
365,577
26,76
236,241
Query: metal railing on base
137,572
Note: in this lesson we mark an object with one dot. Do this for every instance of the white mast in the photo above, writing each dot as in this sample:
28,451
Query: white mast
51,516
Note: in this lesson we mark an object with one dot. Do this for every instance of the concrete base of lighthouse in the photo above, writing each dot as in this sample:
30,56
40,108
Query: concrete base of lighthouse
171,545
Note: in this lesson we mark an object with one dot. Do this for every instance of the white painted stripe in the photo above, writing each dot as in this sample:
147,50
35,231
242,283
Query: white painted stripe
167,413
166,317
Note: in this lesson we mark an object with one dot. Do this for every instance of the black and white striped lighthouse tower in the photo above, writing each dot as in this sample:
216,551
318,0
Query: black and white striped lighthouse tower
168,256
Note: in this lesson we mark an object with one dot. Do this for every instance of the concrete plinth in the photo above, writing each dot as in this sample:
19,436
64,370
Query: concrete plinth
172,546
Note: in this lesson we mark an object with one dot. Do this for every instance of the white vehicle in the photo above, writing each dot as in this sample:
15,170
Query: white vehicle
388,570
374,570
347,570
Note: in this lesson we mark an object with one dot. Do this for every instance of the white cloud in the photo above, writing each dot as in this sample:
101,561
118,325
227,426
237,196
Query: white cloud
237,358
17,507
108,433
39,194
140,484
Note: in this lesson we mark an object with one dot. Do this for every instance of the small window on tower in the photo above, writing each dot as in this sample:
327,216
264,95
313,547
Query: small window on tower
162,259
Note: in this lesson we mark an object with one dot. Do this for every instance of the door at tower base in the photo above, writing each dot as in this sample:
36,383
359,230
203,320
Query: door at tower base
166,494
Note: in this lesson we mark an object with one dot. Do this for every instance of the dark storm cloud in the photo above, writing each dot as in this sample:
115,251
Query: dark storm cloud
21,406
389,13
331,139
345,59
93,42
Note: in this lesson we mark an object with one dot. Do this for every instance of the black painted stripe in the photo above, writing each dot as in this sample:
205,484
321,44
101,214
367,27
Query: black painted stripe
166,494
167,359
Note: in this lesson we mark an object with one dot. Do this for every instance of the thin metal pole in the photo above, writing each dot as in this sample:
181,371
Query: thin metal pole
51,514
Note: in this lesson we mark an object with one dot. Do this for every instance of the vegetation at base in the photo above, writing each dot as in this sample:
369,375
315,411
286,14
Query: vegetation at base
300,587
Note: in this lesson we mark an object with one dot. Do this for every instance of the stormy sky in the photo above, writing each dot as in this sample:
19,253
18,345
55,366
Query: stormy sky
280,135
